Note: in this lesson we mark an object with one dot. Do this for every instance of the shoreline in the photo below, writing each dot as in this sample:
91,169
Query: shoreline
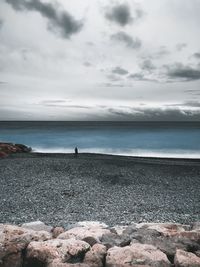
142,159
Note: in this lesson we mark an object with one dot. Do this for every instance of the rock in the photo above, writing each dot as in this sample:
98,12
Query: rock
92,224
196,226
96,256
186,259
112,239
83,232
56,231
23,148
90,240
165,228
9,148
14,260
136,255
69,251
3,154
167,243
58,263
37,226
14,239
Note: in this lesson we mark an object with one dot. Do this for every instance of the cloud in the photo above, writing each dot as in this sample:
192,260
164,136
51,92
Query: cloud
147,65
120,71
182,72
62,103
181,46
121,14
141,77
1,23
196,55
87,64
59,20
126,39
190,104
153,114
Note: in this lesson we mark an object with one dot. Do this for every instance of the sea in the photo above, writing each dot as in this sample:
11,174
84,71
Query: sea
145,139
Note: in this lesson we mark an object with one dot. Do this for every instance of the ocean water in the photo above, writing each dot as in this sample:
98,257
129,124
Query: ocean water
156,139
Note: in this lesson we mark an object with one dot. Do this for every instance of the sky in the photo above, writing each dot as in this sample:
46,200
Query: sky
123,60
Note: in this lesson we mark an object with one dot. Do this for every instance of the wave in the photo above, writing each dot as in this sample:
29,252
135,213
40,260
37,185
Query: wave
185,154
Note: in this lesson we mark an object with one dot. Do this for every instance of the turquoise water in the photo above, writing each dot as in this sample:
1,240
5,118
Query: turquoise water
167,139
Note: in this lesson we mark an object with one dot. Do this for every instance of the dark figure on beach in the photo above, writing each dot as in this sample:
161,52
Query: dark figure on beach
76,151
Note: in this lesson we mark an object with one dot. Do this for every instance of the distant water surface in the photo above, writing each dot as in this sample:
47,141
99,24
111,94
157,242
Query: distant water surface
159,139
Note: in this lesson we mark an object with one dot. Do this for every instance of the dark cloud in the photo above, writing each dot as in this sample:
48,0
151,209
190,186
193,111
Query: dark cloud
136,76
1,82
126,39
147,65
196,55
120,71
59,20
141,77
153,114
181,46
1,23
113,78
181,72
87,64
121,14
113,85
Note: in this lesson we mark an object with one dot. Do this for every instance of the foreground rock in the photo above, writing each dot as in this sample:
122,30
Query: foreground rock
9,148
186,259
90,244
135,255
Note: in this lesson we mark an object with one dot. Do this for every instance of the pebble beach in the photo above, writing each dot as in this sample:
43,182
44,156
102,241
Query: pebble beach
61,189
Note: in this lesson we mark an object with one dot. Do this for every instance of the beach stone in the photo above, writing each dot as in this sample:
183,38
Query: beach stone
83,232
14,260
56,231
186,259
69,251
190,235
91,224
37,226
112,239
136,255
96,256
165,228
196,226
167,243
90,240
59,263
14,239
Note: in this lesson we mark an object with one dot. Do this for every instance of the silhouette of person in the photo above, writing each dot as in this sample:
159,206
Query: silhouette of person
76,151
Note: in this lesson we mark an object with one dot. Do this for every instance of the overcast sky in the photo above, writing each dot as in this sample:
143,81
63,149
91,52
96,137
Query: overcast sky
99,60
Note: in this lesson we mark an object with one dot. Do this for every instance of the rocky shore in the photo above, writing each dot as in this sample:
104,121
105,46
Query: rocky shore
9,148
94,244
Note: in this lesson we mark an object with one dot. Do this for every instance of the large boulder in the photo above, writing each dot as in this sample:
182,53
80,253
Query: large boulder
136,255
13,241
166,237
96,256
186,259
65,251
37,226
81,233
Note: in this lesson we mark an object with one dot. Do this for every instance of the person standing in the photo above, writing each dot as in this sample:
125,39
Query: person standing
76,151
